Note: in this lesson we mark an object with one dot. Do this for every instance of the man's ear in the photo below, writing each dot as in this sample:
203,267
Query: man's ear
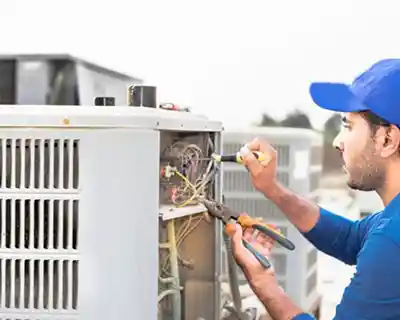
391,141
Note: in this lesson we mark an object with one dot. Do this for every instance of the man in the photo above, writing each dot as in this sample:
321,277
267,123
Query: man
369,143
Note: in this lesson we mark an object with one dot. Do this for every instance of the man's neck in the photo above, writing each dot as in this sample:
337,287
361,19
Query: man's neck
391,187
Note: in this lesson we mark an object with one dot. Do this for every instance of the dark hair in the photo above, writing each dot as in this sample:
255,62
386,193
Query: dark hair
374,121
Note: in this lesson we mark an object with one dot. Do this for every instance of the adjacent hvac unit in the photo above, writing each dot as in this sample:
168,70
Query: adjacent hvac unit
80,216
299,168
58,79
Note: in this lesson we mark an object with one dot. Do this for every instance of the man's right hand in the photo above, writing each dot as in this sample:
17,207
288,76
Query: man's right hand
303,213
263,173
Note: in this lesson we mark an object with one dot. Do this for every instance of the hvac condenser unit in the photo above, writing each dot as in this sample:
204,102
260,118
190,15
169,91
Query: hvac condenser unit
87,194
299,168
58,79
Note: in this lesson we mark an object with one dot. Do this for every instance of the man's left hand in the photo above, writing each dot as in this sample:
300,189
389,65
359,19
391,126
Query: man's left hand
255,273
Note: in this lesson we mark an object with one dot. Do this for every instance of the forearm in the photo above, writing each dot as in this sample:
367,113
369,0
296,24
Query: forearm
275,300
303,213
332,234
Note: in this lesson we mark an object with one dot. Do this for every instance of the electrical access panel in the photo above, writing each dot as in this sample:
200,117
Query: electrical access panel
190,240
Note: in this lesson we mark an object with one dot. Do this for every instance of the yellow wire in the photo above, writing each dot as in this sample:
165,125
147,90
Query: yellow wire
188,183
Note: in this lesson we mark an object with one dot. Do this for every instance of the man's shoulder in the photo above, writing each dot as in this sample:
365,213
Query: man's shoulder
371,221
381,224
374,291
390,227
385,224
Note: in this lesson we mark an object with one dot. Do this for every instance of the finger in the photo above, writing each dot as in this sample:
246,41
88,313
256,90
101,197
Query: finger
263,147
237,244
248,234
265,242
250,161
262,238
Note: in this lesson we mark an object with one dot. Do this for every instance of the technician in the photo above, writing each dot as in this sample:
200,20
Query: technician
369,143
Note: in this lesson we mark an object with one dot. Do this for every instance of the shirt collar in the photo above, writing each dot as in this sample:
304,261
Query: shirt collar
395,203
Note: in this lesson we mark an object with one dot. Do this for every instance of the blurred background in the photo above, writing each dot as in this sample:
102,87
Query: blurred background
228,60
243,63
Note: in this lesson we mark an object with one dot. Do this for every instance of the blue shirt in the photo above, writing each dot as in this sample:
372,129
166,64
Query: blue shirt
373,244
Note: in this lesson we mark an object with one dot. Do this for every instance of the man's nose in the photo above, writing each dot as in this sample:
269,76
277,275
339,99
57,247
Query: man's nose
337,142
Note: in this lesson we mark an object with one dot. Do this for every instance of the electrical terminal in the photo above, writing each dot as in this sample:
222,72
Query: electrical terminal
168,171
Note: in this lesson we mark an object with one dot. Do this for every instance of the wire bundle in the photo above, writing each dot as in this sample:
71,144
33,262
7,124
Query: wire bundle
195,174
189,176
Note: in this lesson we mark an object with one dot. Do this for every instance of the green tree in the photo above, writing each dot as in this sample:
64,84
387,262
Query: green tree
267,121
332,158
296,119
332,128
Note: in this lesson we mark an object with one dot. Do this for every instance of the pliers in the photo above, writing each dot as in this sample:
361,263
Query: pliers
225,214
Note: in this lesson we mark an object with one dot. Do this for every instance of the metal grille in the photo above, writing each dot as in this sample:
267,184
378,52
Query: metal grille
282,284
39,284
39,163
39,216
316,155
241,196
311,283
312,258
279,261
315,180
262,208
283,152
242,279
239,181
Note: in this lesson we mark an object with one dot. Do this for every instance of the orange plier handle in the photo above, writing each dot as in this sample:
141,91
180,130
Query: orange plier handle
224,213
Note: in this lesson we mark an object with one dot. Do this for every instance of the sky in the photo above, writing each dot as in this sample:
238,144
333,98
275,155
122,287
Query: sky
228,59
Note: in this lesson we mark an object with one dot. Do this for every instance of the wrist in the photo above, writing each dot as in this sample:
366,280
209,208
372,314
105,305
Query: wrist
268,290
272,296
272,190
261,280
279,305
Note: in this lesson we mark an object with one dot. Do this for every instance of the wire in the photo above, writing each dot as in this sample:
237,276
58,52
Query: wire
189,184
190,176
185,229
194,174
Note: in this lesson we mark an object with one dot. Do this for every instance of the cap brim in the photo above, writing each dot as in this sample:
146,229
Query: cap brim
335,97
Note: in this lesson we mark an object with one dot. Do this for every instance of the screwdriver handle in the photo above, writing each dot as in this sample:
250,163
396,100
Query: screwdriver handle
258,155
237,157
262,259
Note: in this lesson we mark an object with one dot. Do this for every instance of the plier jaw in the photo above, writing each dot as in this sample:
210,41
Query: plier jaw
217,210
225,214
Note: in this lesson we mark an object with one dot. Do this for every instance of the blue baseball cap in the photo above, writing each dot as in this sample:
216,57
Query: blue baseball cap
376,90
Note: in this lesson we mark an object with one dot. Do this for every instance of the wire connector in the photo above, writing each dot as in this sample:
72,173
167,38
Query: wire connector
168,171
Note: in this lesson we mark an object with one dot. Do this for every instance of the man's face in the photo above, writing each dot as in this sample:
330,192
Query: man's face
362,162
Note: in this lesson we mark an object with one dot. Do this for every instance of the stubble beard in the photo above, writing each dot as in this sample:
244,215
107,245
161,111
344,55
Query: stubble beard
368,172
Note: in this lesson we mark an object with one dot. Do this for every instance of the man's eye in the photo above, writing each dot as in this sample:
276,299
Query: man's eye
346,126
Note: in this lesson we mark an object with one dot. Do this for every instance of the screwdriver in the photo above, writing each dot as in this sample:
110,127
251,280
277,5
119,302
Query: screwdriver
237,157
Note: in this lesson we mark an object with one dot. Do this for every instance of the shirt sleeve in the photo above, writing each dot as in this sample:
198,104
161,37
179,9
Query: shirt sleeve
303,316
374,291
338,236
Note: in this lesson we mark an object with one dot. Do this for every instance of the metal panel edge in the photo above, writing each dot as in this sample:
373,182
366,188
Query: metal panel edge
101,117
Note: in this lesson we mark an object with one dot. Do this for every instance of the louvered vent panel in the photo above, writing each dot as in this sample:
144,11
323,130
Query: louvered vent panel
39,219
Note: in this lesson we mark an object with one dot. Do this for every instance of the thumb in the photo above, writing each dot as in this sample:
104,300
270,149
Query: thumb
237,242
